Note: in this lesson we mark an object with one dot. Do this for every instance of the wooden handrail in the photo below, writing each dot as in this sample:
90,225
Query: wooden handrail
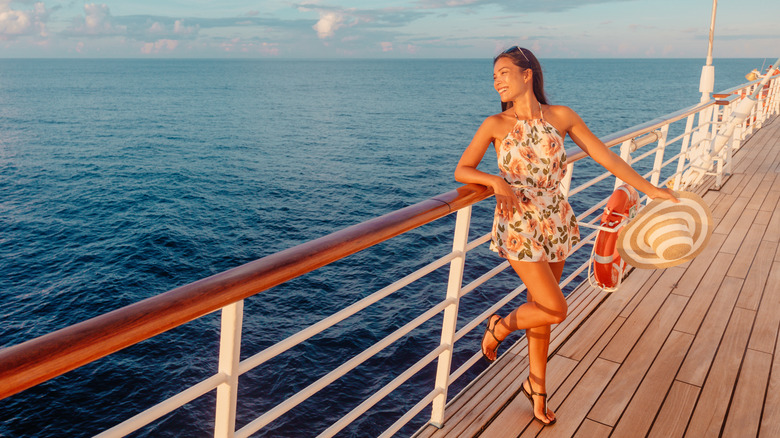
38,360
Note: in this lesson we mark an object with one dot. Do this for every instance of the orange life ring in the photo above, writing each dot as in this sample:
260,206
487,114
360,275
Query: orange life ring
607,265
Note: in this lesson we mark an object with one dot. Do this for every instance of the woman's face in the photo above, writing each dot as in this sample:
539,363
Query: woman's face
510,80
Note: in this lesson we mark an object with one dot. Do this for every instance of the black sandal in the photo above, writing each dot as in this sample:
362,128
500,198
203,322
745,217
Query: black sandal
490,330
530,397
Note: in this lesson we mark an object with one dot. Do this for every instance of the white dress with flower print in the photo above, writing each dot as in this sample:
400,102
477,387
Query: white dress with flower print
531,158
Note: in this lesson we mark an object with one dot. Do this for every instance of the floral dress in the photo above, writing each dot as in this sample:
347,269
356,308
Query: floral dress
531,158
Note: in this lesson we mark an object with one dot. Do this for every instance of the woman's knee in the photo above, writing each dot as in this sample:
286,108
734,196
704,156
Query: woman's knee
558,316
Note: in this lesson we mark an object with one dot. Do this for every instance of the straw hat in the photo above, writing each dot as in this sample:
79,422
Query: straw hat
665,233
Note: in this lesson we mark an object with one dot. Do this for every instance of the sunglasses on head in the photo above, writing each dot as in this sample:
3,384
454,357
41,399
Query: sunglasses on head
522,51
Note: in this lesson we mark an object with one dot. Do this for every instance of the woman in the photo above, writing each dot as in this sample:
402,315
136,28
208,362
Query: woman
534,226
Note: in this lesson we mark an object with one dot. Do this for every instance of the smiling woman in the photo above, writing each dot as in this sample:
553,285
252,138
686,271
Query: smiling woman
534,227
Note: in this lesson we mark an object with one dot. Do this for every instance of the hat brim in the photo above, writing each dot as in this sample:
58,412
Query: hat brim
633,247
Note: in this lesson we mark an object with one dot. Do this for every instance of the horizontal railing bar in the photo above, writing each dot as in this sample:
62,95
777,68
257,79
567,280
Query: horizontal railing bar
337,373
383,392
670,160
142,419
645,155
40,359
282,346
478,241
590,183
590,211
574,274
411,413
745,85
482,279
466,366
489,311
616,138
680,136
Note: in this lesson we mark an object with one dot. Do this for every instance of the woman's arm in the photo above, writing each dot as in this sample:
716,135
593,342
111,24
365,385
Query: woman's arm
466,170
597,150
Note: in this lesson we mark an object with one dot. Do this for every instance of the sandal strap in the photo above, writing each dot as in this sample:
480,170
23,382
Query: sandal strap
531,388
490,330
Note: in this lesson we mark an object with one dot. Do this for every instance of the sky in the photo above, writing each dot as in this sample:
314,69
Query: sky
386,29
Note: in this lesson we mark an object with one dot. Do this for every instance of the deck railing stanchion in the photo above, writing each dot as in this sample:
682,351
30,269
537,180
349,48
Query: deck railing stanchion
450,324
702,132
625,154
229,355
686,140
659,156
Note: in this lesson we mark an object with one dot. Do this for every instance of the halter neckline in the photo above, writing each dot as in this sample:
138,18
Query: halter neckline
541,114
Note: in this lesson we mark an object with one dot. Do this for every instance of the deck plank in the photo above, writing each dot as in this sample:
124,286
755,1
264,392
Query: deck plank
591,429
618,393
630,333
745,255
518,413
756,278
704,294
765,330
744,412
638,417
697,363
676,411
770,422
710,412
576,406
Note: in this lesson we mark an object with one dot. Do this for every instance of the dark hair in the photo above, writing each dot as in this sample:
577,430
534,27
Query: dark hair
524,59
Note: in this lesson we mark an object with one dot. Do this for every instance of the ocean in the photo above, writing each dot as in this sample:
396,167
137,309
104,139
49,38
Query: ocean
122,179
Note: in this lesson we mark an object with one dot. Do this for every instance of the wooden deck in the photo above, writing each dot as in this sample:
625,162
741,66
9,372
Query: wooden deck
686,351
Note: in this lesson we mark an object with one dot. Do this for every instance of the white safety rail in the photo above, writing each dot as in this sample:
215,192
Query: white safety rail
662,164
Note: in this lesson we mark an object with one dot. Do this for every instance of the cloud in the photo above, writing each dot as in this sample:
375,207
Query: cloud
97,21
179,30
333,18
386,46
162,45
514,5
15,23
328,23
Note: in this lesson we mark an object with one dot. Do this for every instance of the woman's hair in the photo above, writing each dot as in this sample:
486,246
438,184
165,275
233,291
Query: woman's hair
524,59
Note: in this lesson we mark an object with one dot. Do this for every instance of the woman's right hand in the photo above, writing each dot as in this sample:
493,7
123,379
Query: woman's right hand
506,200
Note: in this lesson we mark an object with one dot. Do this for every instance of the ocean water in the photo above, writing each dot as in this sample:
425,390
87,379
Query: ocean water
122,179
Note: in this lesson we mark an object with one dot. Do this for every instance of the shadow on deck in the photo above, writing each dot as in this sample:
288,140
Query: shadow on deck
684,351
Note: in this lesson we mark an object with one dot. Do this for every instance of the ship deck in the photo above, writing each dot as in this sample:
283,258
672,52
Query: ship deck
685,351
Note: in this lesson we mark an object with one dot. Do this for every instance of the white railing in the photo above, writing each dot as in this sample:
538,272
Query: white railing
694,127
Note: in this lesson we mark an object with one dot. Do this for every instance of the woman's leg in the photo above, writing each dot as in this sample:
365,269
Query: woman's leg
546,305
538,348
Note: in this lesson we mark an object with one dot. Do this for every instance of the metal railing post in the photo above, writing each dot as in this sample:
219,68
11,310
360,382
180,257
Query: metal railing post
683,152
229,355
449,326
566,181
702,132
659,156
625,154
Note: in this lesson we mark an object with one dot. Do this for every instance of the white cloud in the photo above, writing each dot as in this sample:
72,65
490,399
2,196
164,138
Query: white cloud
159,45
180,29
328,23
15,23
386,46
97,21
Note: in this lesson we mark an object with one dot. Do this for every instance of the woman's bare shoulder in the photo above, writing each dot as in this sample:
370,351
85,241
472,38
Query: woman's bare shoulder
561,116
561,111
497,123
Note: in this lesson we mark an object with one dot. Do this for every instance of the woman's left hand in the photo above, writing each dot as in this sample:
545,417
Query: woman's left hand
664,193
